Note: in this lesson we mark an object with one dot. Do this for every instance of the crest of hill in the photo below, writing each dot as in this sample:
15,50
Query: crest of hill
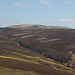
37,26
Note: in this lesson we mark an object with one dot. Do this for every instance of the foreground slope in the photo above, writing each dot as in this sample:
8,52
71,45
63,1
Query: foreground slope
19,47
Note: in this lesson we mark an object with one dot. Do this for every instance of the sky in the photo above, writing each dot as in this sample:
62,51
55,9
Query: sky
43,12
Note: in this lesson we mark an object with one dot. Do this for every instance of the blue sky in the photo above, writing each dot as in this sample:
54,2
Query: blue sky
46,12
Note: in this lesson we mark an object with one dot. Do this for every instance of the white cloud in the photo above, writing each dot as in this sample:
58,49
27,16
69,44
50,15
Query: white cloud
18,4
21,4
66,20
69,2
22,21
45,2
46,21
27,2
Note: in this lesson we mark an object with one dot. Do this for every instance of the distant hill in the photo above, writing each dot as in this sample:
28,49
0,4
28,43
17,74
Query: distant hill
26,26
37,26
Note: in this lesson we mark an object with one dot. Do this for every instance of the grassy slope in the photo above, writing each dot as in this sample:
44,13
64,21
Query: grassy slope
25,59
56,44
9,71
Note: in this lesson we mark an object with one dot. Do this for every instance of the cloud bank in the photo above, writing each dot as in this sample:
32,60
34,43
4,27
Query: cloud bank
45,2
66,20
21,4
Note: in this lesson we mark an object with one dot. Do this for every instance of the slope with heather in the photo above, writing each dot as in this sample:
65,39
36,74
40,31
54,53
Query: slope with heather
37,50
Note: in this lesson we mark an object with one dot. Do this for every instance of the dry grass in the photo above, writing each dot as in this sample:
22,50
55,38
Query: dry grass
19,34
8,71
42,38
26,36
50,40
0,35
